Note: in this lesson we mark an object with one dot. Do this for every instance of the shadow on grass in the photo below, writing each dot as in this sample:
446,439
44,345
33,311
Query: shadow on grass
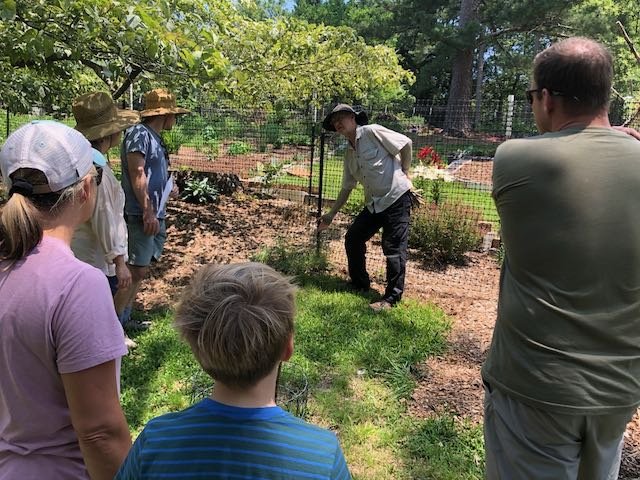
157,348
444,449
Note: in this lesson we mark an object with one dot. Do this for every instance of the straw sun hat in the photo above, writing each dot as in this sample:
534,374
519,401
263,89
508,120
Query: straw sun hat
161,102
97,116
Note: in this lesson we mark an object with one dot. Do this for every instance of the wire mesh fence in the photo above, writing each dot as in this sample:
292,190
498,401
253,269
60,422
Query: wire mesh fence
284,156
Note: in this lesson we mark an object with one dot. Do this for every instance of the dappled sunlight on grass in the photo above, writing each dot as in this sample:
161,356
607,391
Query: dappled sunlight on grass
358,364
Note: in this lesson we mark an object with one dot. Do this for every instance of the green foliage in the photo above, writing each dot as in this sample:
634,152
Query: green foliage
445,232
292,260
199,190
270,134
239,148
452,450
55,49
436,191
500,255
173,139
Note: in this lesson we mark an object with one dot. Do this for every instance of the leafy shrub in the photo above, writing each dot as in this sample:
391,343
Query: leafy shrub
224,183
174,138
296,139
436,190
292,260
239,148
199,190
445,232
270,134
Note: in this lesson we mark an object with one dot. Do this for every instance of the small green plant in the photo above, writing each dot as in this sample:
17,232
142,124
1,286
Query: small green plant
174,139
500,255
445,232
239,148
436,191
270,172
199,190
292,260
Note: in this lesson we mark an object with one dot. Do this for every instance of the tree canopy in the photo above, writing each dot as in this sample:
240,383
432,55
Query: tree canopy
56,49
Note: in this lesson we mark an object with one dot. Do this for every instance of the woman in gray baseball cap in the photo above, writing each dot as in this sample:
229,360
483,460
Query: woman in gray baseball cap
60,340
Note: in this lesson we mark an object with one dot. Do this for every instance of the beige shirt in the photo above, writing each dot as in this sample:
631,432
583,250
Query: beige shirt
375,163
104,237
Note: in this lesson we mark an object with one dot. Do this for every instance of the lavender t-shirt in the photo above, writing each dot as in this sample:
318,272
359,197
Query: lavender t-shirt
56,317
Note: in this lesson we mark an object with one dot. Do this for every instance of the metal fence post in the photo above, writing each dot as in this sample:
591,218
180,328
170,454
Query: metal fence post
321,174
313,147
509,122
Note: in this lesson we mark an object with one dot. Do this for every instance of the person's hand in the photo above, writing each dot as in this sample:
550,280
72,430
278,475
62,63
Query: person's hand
150,223
629,131
123,275
324,222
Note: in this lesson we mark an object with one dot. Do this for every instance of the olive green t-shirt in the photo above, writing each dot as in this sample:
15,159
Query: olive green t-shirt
567,336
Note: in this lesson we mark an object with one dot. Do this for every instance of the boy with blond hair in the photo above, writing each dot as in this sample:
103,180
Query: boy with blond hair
238,321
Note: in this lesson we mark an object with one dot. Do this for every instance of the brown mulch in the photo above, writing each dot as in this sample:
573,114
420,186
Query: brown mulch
475,171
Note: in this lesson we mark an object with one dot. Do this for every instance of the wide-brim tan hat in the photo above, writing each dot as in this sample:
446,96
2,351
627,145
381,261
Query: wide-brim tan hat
97,116
361,116
161,102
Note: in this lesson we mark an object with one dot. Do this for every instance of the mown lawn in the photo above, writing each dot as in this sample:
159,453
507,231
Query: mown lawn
359,368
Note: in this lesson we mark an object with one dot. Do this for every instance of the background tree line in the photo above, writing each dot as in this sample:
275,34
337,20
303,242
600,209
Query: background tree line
269,52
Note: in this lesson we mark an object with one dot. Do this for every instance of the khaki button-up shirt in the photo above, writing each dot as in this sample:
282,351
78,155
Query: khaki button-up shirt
375,163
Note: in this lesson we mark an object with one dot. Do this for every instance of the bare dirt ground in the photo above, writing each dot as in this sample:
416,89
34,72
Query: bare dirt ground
237,227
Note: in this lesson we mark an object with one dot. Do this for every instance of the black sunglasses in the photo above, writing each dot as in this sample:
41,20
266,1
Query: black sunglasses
98,176
553,93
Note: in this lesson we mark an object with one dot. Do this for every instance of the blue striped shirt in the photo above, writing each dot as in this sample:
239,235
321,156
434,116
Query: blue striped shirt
212,440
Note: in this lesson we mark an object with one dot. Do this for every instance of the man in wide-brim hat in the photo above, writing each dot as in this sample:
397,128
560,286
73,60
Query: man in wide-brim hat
145,178
379,159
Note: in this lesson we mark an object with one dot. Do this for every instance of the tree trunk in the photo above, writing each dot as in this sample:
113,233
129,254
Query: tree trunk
457,120
479,78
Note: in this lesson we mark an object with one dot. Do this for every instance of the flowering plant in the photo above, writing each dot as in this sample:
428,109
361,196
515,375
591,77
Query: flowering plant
430,157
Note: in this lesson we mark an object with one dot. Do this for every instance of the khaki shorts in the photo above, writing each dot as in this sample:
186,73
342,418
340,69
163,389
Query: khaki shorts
524,442
143,249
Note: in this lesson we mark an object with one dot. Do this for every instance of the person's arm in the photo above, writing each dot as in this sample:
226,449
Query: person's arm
327,218
406,155
97,419
122,272
135,165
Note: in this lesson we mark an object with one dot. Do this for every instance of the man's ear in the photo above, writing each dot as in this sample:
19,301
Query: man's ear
548,101
288,349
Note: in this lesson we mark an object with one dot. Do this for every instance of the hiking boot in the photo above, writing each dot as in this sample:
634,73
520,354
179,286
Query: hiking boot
135,325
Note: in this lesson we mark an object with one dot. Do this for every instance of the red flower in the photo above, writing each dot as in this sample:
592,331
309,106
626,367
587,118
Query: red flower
425,152
431,156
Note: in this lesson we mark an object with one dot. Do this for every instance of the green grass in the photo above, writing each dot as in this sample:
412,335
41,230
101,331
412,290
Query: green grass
457,193
359,369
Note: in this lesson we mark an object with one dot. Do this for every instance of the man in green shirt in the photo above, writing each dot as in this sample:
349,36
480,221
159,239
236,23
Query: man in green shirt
562,377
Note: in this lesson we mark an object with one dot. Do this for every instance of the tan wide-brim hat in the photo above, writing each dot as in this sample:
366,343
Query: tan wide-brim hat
97,116
161,102
361,116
